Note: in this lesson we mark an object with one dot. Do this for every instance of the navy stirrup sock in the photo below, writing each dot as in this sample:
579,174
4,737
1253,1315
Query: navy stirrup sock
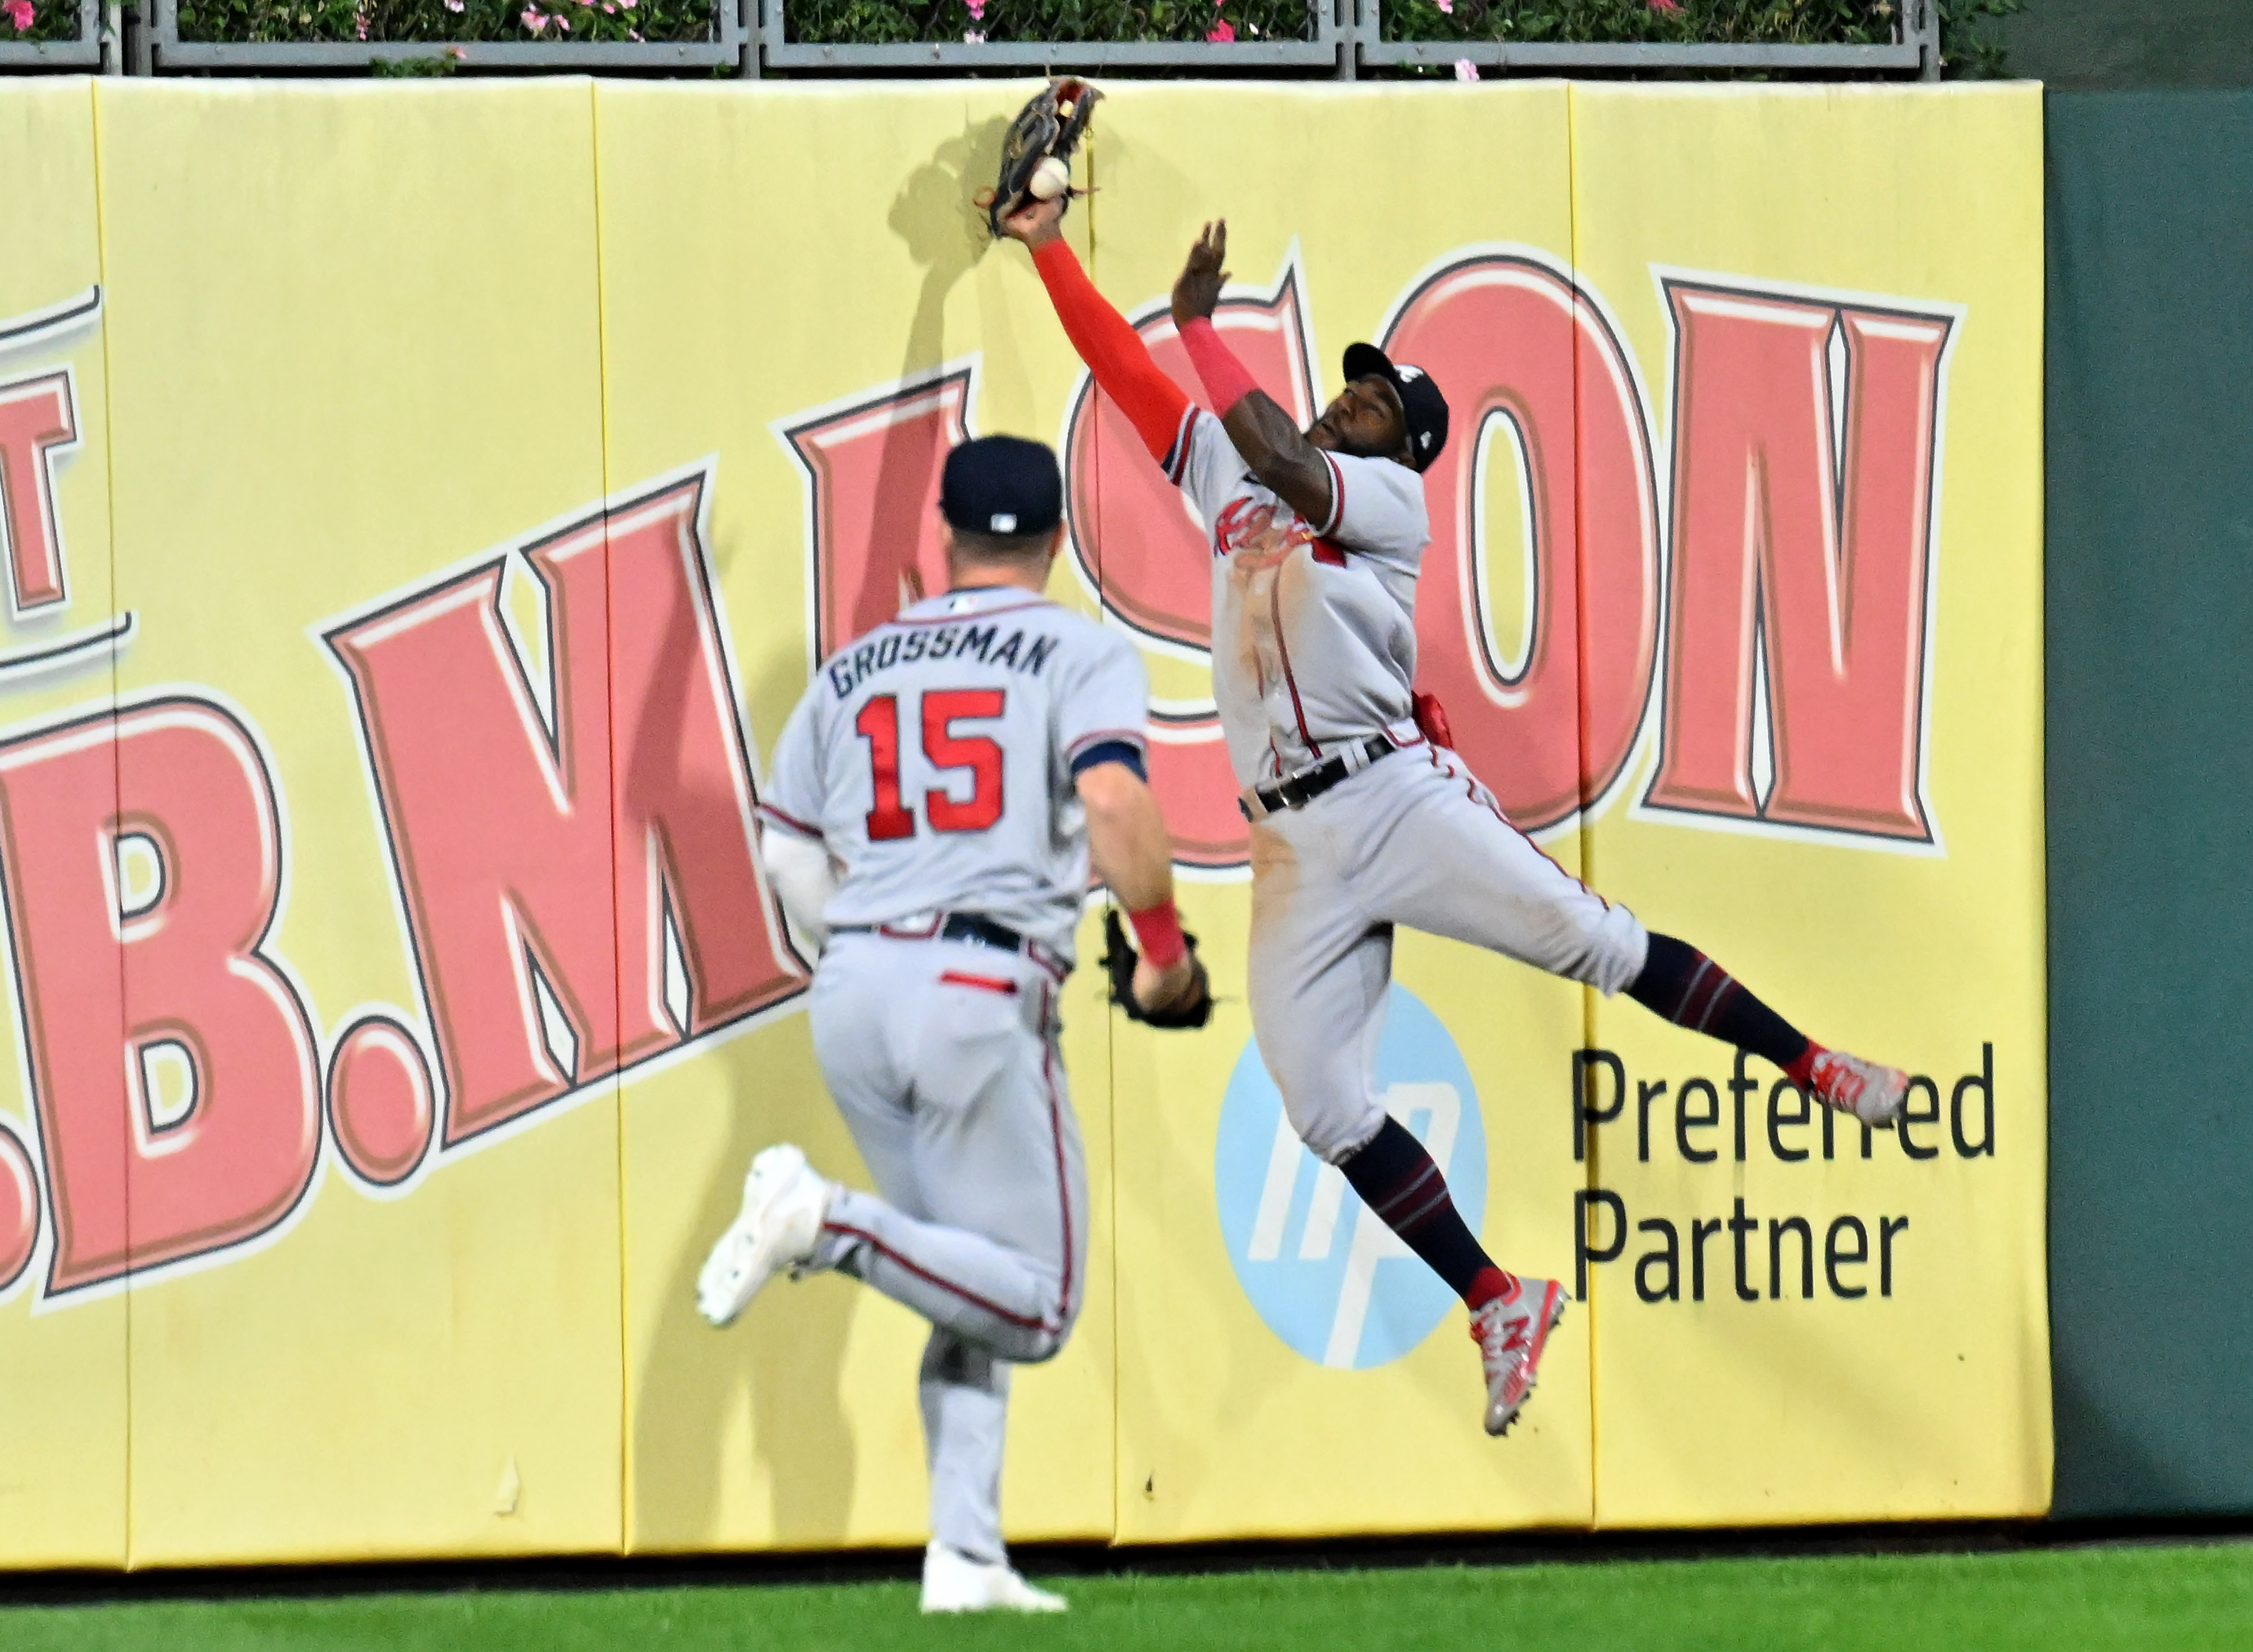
1690,989
1397,1179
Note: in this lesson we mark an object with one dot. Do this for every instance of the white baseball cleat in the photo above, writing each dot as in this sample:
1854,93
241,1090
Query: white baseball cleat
784,1204
1511,1331
953,1582
1874,1094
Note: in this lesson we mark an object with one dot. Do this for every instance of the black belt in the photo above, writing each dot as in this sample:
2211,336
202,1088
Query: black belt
959,926
1297,790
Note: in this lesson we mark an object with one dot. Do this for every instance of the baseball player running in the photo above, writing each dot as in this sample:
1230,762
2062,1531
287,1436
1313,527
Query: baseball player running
1361,817
935,801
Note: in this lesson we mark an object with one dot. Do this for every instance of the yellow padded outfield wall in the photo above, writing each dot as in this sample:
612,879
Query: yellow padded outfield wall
424,504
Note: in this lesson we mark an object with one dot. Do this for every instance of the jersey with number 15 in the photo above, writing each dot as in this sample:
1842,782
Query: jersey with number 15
935,758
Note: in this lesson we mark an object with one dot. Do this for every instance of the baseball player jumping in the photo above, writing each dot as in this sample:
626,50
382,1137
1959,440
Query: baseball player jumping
1362,819
934,803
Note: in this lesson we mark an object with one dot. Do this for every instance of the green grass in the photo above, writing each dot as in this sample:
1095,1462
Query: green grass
2092,1600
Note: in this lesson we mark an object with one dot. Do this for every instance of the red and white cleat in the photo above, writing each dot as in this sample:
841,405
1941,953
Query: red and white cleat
1511,1331
1872,1094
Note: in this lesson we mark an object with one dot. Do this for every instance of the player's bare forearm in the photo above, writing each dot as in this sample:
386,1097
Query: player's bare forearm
1276,451
1133,855
1127,836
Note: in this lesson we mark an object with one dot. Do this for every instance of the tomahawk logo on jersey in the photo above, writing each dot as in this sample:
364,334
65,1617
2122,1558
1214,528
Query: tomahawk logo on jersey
1310,646
935,756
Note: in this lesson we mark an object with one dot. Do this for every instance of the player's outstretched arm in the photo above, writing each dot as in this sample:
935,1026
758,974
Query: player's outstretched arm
1133,855
1271,445
1114,352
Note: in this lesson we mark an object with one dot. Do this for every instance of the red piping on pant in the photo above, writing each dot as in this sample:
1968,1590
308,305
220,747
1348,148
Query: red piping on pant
949,1286
1056,1135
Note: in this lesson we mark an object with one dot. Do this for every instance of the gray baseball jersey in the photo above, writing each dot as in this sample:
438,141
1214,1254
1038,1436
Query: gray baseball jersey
935,757
1311,647
1314,645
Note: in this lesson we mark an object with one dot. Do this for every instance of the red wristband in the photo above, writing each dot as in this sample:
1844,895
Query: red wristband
1224,376
1158,929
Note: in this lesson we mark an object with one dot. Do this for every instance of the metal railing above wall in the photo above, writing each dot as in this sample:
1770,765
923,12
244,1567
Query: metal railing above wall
727,49
83,49
1327,49
1344,40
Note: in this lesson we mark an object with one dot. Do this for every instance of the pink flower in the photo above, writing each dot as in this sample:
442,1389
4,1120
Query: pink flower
1666,5
1448,6
533,19
977,8
18,12
1466,70
1224,33
453,5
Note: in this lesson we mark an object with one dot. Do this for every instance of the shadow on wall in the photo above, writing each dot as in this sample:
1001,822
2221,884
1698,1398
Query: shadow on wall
779,1365
777,1371
774,1373
936,213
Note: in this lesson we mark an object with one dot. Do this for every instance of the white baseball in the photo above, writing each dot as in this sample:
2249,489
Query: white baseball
1050,178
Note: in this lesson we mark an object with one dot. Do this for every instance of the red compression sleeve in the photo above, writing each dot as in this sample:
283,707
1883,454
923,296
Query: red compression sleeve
1114,352
1159,929
1222,376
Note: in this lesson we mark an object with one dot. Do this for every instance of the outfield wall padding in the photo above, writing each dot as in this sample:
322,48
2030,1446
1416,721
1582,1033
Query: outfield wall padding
2151,677
424,505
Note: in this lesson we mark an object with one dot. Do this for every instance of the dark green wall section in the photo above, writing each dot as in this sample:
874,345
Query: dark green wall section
2091,44
2151,798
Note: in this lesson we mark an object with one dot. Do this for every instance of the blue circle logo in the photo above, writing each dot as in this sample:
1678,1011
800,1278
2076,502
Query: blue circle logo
1325,1274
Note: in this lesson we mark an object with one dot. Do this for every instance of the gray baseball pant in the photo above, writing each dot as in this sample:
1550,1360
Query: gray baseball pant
941,1056
1412,838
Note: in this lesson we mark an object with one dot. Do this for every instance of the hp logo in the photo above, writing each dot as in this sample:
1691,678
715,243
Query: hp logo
1325,1275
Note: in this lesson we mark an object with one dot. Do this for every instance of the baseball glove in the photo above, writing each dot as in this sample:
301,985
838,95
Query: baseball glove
1052,124
1119,961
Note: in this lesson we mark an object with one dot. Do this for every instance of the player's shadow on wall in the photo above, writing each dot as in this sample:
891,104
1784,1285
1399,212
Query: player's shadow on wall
936,213
773,1375
782,1362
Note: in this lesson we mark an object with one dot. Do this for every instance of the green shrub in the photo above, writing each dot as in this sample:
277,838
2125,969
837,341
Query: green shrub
443,20
1685,22
894,22
47,20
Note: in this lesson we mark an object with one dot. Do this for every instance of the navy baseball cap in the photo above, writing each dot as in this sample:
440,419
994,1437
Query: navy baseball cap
1002,485
1420,399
